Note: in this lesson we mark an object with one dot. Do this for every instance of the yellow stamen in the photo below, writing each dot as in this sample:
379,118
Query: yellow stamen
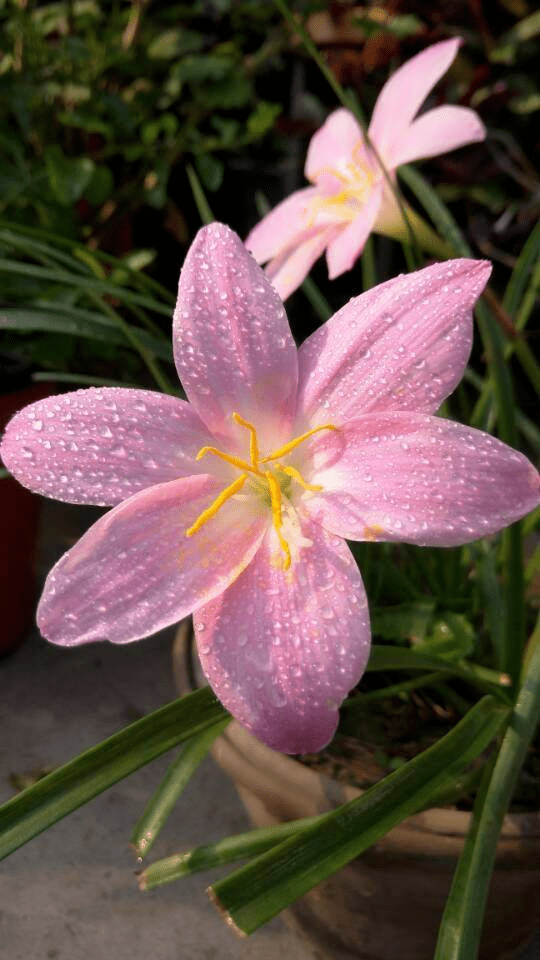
296,475
264,480
218,502
287,447
234,461
275,500
333,172
253,445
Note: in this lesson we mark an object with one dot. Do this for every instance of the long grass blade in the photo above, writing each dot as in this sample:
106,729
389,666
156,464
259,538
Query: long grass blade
98,768
461,927
257,892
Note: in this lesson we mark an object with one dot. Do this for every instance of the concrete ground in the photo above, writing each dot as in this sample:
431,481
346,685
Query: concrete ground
71,893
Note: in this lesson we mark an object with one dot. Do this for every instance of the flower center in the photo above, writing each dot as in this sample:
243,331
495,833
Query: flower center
267,474
357,180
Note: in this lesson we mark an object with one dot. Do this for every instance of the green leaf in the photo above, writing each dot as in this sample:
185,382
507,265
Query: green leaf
100,186
461,926
199,196
78,323
263,117
176,779
210,170
451,637
175,43
521,274
408,658
242,846
95,770
436,209
404,621
254,894
80,282
68,177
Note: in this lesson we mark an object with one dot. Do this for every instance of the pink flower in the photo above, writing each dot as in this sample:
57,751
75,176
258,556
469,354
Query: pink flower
350,196
235,506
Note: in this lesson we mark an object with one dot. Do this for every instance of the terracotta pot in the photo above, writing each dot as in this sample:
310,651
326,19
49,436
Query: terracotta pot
388,903
19,515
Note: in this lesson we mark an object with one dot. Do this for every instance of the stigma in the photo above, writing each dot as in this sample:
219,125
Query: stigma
267,474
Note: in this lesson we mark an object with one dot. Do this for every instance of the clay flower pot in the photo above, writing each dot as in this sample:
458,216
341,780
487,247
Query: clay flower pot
388,902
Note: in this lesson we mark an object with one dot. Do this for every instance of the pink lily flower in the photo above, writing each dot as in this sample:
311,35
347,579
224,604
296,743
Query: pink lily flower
236,505
350,195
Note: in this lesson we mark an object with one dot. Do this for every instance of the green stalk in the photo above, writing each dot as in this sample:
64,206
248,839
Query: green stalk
203,207
131,335
367,263
395,690
317,300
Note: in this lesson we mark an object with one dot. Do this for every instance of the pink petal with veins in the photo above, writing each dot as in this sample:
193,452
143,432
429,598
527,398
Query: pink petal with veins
334,147
135,571
291,268
102,445
283,226
402,345
346,247
419,479
439,131
404,93
281,651
233,347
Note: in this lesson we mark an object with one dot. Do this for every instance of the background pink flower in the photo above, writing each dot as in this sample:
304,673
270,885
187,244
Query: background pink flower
350,196
235,505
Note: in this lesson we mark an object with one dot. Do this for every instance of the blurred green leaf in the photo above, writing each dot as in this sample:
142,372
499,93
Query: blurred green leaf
451,637
262,118
210,170
175,43
100,186
68,177
405,621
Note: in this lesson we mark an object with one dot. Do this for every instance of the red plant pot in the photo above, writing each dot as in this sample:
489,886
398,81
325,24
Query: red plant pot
19,516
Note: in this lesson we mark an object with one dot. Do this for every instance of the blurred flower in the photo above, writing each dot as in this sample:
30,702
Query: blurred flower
351,195
236,505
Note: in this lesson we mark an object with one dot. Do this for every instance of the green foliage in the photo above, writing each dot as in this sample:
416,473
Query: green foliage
105,101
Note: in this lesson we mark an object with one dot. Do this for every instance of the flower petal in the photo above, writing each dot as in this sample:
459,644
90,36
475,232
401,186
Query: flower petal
344,250
404,93
135,571
332,148
233,347
401,345
289,270
282,649
102,445
439,131
420,479
283,226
